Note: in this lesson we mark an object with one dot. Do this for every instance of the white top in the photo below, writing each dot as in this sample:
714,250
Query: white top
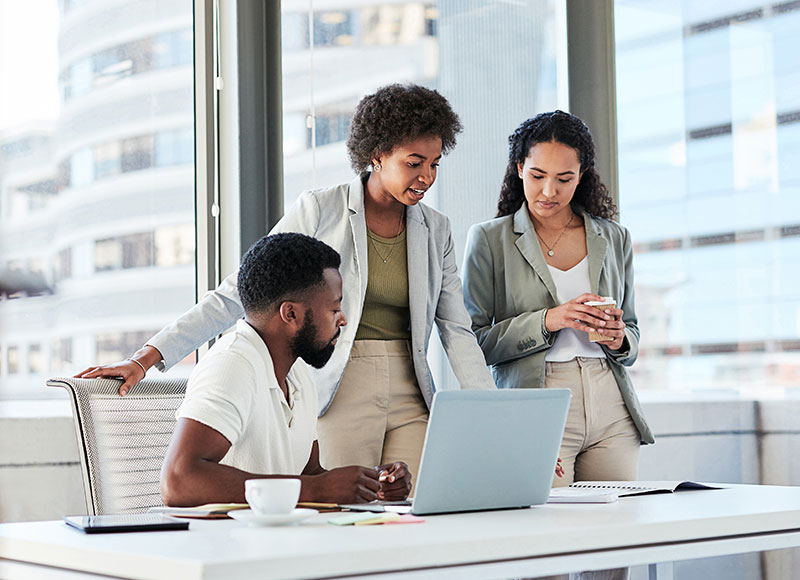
233,390
571,343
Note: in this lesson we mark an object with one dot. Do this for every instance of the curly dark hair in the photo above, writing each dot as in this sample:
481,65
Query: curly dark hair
281,267
560,127
395,114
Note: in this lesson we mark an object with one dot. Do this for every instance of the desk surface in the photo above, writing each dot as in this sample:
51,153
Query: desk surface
661,527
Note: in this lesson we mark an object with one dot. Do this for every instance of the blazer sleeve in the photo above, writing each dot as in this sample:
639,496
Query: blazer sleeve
506,340
463,353
219,309
629,351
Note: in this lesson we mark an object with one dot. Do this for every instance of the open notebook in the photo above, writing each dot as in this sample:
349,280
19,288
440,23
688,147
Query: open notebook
206,511
623,488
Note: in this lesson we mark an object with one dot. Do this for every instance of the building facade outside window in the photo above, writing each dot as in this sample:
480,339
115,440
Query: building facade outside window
97,215
709,136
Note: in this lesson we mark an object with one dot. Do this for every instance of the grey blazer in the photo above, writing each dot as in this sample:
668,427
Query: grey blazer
507,288
335,215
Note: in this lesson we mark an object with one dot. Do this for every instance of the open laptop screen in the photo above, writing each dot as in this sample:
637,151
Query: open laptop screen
490,449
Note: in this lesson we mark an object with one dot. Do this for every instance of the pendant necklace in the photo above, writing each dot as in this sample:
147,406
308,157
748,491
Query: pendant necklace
551,249
391,250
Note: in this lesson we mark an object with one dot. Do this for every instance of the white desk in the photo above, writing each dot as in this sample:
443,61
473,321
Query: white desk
543,540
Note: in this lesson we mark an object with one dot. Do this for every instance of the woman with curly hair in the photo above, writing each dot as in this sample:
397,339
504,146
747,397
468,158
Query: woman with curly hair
399,277
530,276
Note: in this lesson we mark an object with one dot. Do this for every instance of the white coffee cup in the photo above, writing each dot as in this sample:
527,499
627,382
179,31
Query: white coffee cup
269,497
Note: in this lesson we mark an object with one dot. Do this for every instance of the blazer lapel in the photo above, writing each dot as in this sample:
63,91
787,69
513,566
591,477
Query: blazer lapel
528,245
358,226
596,246
417,249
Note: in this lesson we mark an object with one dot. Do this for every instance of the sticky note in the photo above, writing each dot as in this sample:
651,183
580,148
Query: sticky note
385,518
407,519
353,518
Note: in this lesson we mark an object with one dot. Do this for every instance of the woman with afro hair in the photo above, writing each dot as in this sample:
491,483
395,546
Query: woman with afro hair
399,277
530,276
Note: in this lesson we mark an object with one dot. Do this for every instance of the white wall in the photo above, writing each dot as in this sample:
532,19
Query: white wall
40,476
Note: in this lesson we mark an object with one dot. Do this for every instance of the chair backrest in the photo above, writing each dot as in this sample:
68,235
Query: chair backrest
122,440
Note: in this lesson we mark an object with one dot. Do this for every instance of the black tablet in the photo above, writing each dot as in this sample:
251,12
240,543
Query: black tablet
125,523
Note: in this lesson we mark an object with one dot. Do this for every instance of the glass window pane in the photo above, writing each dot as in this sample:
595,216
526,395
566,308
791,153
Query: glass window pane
709,125
96,183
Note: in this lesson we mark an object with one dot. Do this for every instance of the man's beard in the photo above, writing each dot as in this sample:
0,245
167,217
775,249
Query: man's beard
304,344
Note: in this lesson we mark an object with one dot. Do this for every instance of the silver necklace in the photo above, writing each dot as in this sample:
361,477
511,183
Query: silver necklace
551,249
391,250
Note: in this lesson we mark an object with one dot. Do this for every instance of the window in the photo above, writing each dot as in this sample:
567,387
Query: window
81,168
62,269
174,147
329,128
12,360
137,153
124,252
333,28
107,159
709,128
118,345
110,65
35,360
61,357
174,246
96,182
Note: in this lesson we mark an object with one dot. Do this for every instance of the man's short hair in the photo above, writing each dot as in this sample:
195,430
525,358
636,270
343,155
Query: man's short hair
283,267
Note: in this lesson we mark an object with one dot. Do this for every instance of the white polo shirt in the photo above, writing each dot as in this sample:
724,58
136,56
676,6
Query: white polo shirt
234,391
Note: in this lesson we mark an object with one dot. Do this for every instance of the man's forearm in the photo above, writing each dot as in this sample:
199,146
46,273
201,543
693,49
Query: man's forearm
204,481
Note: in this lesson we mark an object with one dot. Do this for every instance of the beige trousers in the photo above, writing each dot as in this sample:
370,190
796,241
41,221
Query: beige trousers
378,415
600,440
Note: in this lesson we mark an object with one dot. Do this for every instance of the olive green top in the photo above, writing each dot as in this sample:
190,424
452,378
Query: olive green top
385,315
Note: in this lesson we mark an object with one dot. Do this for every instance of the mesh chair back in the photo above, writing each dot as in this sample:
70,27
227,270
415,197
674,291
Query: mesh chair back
122,440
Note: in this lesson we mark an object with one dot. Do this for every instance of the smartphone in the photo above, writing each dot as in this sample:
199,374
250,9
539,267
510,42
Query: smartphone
125,523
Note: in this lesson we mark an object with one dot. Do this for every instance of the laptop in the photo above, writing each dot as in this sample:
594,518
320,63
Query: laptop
493,449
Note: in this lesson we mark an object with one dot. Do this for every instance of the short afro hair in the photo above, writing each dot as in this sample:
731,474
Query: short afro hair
283,267
396,114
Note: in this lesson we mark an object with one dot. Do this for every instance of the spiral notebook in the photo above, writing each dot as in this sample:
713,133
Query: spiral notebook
623,488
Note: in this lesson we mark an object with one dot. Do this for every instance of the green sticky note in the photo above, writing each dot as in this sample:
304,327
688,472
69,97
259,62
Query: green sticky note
379,519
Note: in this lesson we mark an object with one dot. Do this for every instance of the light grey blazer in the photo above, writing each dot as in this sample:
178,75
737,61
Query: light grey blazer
335,215
507,288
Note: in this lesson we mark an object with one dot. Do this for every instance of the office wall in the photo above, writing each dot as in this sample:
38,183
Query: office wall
40,477
734,441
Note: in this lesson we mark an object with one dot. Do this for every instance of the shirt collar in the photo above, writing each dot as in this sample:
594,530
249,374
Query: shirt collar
247,331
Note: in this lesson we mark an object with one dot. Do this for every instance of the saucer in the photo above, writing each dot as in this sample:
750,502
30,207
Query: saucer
253,519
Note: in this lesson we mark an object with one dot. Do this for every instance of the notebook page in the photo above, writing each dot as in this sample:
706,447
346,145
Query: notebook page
642,486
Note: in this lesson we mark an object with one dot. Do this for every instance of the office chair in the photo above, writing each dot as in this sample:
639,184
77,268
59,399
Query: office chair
122,440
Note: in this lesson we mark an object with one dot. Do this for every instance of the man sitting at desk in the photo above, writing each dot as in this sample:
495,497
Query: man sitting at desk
250,410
